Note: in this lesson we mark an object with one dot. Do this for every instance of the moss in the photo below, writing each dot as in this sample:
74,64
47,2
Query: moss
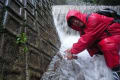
1,77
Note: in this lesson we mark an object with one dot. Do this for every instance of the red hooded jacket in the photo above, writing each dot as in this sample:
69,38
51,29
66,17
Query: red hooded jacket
94,31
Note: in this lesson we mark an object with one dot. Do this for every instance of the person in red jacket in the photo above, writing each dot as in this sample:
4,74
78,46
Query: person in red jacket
99,34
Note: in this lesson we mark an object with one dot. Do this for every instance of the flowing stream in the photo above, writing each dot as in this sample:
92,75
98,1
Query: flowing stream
85,67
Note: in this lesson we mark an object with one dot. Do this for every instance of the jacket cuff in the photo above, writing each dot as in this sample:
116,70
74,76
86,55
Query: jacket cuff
72,51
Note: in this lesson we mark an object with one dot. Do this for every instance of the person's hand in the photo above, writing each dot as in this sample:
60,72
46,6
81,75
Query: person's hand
69,55
67,51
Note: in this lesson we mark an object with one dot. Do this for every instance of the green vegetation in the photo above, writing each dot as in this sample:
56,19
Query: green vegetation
22,40
104,2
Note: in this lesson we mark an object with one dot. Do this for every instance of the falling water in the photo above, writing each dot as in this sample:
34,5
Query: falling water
85,67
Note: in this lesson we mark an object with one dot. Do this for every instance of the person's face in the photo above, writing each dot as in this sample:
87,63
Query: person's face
76,22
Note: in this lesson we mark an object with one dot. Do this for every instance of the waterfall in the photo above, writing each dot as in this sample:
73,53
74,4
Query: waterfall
85,67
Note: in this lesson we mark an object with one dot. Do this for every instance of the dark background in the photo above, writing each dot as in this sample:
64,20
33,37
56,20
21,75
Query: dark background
78,2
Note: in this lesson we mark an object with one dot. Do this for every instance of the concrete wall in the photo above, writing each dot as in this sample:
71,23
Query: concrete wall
35,20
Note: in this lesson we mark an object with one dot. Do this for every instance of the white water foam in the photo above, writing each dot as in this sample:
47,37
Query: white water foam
93,68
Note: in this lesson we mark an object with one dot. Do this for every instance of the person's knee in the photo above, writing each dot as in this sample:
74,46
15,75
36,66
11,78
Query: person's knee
107,44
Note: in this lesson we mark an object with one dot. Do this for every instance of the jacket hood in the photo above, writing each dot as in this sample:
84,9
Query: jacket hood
77,14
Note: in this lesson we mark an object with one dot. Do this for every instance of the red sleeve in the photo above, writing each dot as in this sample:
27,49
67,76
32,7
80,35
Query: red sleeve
92,34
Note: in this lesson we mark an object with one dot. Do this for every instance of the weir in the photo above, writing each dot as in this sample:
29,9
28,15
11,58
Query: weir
28,39
31,34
